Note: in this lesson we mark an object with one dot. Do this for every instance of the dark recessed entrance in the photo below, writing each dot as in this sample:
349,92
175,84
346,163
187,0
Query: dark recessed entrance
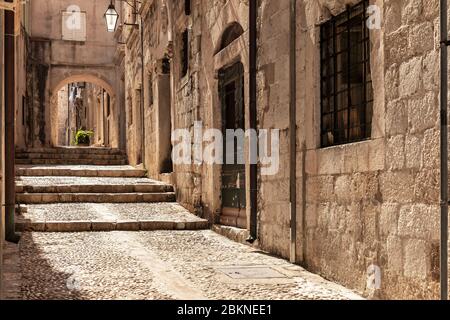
231,89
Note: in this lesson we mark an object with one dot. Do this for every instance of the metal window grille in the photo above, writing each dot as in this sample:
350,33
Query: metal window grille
346,83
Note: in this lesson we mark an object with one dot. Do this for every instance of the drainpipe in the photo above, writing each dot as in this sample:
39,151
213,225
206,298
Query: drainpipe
444,150
253,25
10,91
142,92
68,115
293,128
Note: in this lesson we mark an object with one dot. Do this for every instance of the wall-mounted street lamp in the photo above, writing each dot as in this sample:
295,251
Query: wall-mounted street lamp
111,17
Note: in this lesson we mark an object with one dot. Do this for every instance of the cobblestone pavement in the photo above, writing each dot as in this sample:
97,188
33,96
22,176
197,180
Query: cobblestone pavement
160,265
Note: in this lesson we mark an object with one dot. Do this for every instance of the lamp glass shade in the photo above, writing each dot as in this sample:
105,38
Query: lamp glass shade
111,17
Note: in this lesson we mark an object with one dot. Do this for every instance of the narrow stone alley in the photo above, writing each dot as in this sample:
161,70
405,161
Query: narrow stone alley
227,149
99,229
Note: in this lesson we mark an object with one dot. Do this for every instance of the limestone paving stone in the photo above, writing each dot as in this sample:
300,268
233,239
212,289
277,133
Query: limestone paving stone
158,265
199,255
84,266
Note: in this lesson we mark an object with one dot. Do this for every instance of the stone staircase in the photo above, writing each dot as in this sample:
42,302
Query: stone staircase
87,189
71,156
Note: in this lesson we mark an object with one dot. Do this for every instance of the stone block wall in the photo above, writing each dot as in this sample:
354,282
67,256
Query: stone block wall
377,202
370,203
273,113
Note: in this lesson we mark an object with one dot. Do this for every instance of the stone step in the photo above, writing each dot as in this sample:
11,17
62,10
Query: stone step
77,217
80,171
85,161
95,188
108,226
69,156
46,198
71,150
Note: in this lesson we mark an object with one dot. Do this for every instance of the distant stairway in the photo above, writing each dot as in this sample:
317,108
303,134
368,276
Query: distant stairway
71,156
92,189
77,175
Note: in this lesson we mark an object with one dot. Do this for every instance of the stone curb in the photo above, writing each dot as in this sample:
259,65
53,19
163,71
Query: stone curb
107,226
234,234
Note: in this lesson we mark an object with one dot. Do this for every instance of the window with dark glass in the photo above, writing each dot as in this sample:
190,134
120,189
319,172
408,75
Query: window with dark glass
346,83
185,53
150,90
108,105
187,7
165,66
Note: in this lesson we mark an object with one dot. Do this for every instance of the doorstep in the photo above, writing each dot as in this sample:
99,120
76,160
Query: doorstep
234,234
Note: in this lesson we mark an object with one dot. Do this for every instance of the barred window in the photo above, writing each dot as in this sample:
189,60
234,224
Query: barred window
346,83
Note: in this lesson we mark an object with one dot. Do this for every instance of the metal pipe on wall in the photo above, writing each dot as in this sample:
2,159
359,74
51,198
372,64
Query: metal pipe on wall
10,105
253,25
444,149
142,106
293,127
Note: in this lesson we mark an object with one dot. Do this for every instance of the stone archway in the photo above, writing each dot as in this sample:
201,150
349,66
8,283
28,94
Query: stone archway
85,77
106,123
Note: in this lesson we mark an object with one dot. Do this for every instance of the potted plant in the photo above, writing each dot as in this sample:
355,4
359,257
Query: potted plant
83,138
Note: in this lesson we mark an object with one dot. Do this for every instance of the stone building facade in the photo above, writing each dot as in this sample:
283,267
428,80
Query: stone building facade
368,203
67,43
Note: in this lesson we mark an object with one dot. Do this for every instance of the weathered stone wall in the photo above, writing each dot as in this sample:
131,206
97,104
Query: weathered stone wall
409,218
273,113
361,204
377,202
62,101
150,78
133,85
187,106
21,96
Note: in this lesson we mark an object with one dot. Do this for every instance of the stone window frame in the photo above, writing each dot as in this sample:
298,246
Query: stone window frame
328,58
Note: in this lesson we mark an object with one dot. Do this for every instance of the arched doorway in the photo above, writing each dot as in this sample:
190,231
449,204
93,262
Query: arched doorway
84,102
